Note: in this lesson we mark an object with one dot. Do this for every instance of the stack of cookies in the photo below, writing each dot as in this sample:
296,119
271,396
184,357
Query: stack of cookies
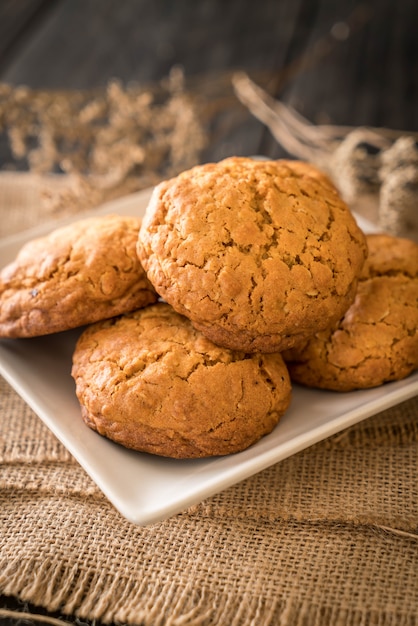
243,277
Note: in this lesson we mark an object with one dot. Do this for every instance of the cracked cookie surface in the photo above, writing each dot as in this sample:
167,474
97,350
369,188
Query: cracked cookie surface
75,275
257,254
150,381
377,339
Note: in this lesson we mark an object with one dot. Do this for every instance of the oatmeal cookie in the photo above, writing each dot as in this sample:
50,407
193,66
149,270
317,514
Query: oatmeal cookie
257,254
376,341
78,274
150,381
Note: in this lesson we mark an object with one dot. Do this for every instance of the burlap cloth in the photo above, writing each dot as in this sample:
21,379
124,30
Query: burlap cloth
326,537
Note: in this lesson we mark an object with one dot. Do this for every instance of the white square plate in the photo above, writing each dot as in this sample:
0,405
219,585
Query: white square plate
145,488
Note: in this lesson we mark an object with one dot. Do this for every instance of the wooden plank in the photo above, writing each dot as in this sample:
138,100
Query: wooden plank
368,77
358,66
142,41
17,17
343,63
84,43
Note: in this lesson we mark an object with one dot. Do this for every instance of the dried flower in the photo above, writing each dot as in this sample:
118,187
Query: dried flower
108,142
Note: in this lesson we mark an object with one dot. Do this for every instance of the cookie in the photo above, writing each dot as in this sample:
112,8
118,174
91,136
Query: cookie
257,254
76,275
149,381
376,341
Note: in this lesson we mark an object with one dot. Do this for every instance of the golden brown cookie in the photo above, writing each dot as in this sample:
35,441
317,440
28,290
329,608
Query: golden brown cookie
78,274
150,381
377,339
257,254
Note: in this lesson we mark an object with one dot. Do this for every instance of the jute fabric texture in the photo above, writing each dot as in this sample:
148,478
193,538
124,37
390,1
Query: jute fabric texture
328,537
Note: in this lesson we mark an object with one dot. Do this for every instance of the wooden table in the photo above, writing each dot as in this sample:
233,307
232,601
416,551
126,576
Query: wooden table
352,62
348,63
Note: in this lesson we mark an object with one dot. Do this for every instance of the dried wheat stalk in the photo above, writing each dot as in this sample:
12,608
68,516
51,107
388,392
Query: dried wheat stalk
376,169
108,142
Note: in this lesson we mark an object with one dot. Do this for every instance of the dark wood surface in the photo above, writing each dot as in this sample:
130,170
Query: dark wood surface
349,62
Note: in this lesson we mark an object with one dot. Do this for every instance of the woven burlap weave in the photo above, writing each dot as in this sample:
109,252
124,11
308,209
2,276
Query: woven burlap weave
328,537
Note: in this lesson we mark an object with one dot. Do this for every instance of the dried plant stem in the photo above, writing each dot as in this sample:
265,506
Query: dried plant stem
34,617
110,142
375,169
294,132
